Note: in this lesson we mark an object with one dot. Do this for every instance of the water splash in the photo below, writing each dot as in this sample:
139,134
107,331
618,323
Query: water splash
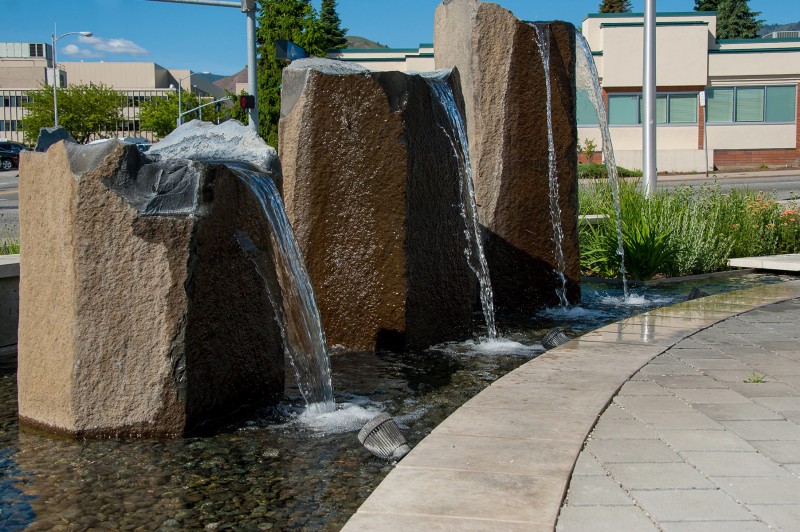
543,41
295,306
587,80
476,258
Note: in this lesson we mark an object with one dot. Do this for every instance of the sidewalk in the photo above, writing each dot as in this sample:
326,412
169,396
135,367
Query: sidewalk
504,460
750,174
704,437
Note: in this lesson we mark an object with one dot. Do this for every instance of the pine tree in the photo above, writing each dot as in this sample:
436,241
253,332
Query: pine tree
615,6
332,25
706,5
736,21
296,21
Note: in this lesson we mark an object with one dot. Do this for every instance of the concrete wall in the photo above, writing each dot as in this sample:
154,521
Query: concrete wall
9,299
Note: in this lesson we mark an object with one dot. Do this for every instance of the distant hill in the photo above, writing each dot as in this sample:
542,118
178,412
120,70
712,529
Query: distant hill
353,41
769,28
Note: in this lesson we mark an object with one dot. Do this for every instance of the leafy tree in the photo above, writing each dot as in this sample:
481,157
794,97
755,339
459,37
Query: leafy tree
706,5
332,25
295,21
160,115
85,111
234,111
736,21
616,6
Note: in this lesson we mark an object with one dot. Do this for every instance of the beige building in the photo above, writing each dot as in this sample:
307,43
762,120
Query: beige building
27,66
747,88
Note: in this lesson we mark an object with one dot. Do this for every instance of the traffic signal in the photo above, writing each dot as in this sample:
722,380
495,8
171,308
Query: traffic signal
247,101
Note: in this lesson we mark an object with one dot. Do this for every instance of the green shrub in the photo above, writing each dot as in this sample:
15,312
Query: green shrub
8,244
599,171
684,231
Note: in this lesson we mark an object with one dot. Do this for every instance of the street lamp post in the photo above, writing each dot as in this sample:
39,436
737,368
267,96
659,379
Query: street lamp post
55,71
180,91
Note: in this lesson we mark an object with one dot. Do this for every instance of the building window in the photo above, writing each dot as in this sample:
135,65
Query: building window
36,50
759,104
671,108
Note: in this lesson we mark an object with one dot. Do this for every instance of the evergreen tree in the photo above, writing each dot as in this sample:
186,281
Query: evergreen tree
332,25
736,21
615,6
295,21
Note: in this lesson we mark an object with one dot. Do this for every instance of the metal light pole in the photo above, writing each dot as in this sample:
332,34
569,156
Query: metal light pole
649,93
55,71
180,91
249,8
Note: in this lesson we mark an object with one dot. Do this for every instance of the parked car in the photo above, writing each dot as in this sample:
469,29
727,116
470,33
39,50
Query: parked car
9,154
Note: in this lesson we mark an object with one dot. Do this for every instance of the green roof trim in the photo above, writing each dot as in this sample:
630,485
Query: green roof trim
377,50
426,45
369,59
424,54
669,14
753,50
760,41
599,52
640,24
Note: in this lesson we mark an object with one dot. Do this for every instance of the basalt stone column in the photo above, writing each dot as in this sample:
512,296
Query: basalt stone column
139,314
503,82
370,184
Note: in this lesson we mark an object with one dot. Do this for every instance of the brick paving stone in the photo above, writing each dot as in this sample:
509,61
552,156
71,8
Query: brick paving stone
779,516
728,375
714,526
733,464
646,476
652,404
603,519
610,451
678,420
760,490
765,430
690,505
704,440
621,429
587,464
711,396
596,490
737,411
688,381
642,388
765,389
782,452
726,363
779,404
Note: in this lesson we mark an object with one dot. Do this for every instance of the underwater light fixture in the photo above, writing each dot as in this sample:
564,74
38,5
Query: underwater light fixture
381,436
696,293
554,338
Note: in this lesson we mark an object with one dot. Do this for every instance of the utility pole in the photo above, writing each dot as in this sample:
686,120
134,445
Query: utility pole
247,7
649,94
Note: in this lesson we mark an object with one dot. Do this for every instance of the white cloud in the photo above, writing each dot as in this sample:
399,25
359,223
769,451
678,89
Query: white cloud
113,46
76,51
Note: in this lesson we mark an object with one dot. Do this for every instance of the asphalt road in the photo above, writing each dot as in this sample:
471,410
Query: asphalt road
9,203
784,184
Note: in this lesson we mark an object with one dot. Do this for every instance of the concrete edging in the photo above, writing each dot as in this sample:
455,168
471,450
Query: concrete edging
9,300
505,458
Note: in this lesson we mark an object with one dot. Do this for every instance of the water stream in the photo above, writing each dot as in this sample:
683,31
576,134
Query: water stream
476,258
543,41
295,307
587,80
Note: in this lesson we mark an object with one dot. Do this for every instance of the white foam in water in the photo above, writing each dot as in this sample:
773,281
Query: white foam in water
491,346
348,417
634,300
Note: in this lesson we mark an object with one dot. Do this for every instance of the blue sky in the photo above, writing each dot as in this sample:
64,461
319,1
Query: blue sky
213,38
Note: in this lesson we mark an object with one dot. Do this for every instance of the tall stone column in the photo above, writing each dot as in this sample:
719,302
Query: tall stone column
139,313
503,82
370,183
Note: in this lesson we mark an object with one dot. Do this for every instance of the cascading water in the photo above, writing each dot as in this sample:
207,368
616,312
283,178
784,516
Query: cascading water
587,80
476,258
543,41
296,309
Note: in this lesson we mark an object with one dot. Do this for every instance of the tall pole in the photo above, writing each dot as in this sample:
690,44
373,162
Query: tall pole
252,85
649,93
55,83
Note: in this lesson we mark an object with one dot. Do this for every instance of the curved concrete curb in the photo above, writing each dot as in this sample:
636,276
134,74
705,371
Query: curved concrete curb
504,459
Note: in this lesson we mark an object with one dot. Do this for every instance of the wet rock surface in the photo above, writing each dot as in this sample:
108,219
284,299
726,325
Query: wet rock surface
139,313
503,82
370,185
